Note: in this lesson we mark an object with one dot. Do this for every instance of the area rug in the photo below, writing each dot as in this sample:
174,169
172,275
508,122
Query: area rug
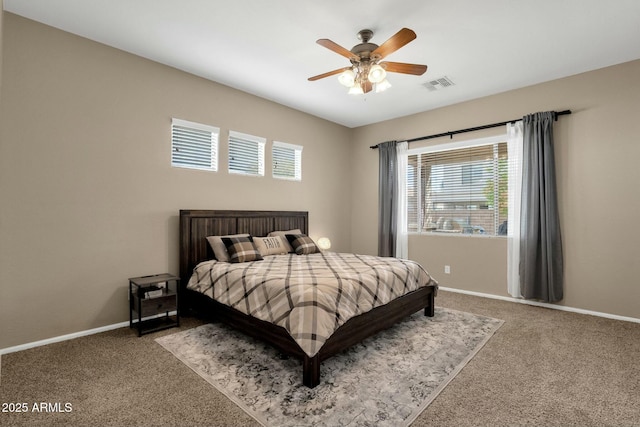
387,380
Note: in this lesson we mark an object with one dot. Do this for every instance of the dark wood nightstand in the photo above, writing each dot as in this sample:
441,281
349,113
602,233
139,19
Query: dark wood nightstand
151,296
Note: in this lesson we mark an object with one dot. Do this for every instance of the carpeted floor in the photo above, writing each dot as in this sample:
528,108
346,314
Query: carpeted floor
542,367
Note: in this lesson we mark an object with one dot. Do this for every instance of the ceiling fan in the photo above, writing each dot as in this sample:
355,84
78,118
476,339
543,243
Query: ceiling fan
366,70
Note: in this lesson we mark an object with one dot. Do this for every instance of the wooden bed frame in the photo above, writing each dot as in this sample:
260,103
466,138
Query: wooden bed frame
196,225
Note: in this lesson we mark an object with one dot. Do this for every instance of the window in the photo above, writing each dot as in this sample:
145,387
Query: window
246,154
458,188
286,161
194,145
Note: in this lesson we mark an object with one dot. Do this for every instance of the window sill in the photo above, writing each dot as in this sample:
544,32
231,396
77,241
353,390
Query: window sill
455,234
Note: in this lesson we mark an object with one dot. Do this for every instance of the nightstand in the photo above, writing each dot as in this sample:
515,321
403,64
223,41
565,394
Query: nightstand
149,298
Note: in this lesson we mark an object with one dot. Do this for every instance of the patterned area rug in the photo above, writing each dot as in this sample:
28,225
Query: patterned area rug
387,380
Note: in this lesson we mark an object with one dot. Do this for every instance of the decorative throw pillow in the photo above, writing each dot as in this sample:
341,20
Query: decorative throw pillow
218,247
241,249
283,234
302,244
271,245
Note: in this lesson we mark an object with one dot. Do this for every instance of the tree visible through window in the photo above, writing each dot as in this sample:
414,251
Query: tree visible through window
458,190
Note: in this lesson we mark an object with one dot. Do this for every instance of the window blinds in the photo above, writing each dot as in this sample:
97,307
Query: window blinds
462,190
286,161
246,154
194,145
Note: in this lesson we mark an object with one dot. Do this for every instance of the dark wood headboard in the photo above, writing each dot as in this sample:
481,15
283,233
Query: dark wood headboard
196,225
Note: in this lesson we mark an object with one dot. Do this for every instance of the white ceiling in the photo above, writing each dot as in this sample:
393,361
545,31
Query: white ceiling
267,48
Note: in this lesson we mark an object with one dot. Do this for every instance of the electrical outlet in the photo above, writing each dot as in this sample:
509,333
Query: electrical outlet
447,269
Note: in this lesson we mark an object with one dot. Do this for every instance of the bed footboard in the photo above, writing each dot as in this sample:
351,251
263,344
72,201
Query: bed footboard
429,310
311,370
357,329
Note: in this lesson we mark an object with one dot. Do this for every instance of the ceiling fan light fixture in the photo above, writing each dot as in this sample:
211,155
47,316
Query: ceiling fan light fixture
382,86
366,71
376,74
356,89
347,78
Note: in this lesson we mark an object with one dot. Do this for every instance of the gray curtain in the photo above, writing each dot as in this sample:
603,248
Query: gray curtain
387,199
541,275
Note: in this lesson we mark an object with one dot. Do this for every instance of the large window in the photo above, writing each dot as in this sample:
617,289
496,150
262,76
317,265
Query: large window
458,188
246,154
194,145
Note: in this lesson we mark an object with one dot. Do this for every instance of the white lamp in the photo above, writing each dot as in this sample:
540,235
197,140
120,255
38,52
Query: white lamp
377,74
360,76
324,243
383,85
356,89
347,78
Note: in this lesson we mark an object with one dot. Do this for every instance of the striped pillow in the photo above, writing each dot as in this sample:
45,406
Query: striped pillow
218,247
283,234
302,244
241,249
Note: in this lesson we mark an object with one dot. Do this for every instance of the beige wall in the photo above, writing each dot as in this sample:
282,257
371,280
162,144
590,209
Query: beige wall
1,26
88,197
597,154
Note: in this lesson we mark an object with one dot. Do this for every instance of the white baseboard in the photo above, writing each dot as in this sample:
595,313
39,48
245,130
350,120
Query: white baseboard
63,338
460,291
545,305
73,335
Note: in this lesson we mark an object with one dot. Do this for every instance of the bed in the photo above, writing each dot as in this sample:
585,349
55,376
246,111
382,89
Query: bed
196,255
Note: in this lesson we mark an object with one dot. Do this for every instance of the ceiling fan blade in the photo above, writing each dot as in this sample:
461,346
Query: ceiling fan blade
367,86
394,43
327,74
404,68
337,49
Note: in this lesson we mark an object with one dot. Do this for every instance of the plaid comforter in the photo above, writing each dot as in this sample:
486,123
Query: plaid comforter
309,295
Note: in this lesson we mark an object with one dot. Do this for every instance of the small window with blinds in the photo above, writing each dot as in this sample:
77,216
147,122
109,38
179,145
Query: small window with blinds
194,145
286,161
458,188
246,154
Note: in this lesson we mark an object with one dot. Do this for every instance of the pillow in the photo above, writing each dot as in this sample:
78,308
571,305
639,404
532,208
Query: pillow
283,234
219,249
302,244
241,249
276,245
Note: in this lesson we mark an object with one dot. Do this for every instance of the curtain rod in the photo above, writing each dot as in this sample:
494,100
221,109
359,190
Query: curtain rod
455,132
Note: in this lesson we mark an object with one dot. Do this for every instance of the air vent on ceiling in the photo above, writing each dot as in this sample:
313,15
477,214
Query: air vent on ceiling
438,84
